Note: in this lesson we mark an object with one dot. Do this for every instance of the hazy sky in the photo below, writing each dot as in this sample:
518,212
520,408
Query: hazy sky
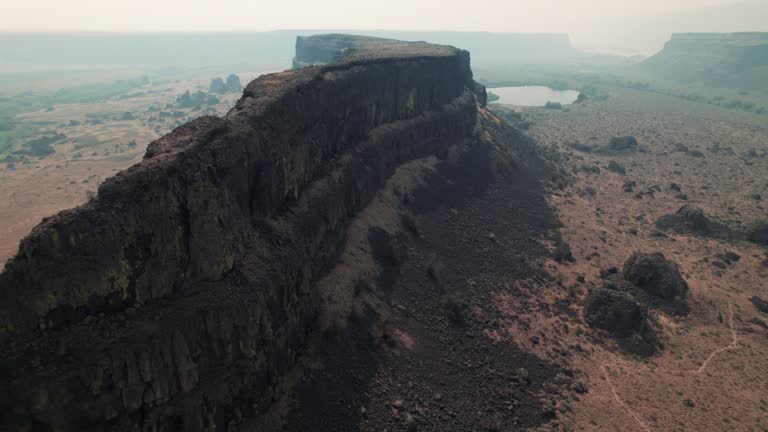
586,20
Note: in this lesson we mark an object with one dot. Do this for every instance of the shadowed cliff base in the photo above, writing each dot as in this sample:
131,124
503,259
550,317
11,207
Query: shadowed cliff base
417,353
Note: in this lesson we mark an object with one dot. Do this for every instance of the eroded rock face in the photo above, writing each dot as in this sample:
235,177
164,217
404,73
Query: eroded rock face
614,311
183,293
656,275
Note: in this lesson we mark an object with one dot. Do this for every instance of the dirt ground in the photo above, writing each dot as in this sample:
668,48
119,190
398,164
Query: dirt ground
711,373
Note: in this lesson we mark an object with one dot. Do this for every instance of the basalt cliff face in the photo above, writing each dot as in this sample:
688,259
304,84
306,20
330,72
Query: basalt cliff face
737,60
179,297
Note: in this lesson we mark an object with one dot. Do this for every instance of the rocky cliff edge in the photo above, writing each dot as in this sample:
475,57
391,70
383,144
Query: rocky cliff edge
180,295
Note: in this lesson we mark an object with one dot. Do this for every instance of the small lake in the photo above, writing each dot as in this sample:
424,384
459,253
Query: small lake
533,95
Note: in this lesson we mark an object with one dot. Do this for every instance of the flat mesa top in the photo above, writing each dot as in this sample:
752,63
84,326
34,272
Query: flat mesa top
743,38
355,48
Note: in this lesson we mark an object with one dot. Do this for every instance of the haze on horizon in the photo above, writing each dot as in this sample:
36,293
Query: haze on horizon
611,25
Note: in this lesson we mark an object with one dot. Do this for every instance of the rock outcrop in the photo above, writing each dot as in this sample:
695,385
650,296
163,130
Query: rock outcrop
614,311
656,275
690,219
178,298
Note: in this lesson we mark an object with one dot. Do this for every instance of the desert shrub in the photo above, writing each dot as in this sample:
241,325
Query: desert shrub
86,141
616,167
41,149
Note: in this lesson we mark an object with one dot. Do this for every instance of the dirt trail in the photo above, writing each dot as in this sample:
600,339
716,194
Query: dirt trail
621,402
732,345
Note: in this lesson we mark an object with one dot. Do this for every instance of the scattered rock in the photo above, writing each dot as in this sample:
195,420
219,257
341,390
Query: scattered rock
719,264
758,234
682,196
656,275
728,257
629,186
409,223
675,187
435,269
562,252
410,422
523,375
586,148
456,309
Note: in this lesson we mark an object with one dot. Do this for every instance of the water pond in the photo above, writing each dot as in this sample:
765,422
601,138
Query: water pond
533,95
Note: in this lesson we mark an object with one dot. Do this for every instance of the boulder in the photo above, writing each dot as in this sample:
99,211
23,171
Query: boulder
760,304
614,311
623,143
656,275
758,234
694,217
691,219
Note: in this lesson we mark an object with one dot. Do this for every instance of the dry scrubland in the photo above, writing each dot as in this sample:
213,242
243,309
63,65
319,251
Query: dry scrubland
712,371
101,139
